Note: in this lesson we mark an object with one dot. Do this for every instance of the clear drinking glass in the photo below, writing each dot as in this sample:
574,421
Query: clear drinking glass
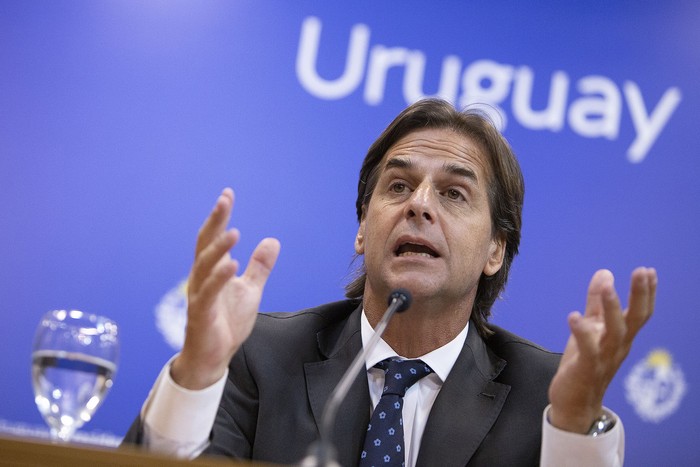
74,360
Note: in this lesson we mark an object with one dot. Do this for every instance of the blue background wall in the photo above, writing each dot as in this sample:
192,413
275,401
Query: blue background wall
121,121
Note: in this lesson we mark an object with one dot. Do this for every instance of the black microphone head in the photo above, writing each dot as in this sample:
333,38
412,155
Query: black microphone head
403,296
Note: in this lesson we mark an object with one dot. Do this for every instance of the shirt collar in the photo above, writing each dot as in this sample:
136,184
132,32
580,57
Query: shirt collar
441,360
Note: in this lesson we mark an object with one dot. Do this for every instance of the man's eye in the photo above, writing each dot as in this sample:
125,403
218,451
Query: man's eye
454,194
398,187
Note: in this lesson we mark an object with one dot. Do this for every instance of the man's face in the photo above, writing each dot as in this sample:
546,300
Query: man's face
427,227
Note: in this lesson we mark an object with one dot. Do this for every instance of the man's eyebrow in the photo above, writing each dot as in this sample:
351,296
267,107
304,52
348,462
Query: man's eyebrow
448,167
398,163
460,171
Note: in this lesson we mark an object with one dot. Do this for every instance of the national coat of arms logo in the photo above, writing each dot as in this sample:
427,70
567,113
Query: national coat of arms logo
655,386
171,315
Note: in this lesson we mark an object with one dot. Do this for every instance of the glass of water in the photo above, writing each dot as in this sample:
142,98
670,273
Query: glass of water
74,360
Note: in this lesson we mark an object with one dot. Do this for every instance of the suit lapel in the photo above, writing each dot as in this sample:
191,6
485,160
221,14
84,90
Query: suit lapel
339,344
468,405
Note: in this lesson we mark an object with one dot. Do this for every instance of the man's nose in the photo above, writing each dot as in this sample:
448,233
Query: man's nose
422,203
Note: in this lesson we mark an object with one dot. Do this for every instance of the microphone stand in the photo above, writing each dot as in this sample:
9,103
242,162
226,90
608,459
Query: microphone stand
322,453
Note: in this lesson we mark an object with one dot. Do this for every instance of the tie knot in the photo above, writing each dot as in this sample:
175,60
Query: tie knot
402,374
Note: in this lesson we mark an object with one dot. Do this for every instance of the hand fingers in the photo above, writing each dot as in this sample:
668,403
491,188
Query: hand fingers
211,286
642,298
602,318
586,332
653,283
217,221
603,305
209,256
615,328
601,281
262,261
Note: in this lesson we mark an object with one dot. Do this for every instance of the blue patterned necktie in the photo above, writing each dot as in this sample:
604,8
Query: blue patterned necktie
384,438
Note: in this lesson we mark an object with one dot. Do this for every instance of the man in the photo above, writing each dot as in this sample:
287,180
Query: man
439,209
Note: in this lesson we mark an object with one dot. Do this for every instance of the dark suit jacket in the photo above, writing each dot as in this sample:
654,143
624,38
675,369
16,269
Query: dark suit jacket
488,412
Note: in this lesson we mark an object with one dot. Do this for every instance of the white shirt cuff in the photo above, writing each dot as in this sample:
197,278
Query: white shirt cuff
177,420
563,448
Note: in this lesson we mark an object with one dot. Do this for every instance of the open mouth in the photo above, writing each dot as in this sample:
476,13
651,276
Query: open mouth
415,249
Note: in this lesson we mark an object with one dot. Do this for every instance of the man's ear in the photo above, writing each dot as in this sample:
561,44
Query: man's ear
497,251
360,237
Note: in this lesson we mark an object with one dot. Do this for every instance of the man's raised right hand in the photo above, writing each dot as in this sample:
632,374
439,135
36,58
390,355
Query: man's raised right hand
222,307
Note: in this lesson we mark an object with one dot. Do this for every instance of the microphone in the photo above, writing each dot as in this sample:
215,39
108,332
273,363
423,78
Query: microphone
322,452
402,297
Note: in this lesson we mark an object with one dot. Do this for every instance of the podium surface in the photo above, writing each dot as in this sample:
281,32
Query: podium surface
24,451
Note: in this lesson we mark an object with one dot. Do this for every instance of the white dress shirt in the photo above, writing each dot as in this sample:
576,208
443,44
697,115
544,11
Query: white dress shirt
177,421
